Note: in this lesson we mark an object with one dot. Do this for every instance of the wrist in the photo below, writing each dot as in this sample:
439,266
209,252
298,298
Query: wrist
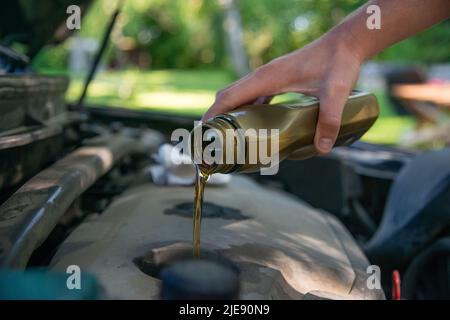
342,39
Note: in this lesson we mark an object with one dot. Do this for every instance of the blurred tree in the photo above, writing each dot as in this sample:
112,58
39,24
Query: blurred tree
176,33
234,33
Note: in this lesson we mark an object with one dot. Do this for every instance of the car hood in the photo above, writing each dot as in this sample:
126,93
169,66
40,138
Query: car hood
35,23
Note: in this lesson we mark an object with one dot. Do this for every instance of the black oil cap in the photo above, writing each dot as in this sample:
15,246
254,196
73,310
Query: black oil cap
199,280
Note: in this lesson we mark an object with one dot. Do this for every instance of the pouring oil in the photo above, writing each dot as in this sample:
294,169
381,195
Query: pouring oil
296,122
200,182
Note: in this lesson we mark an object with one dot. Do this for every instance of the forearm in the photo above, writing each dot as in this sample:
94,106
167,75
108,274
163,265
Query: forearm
328,68
399,20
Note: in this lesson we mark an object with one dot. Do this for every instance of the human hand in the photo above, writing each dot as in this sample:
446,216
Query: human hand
327,69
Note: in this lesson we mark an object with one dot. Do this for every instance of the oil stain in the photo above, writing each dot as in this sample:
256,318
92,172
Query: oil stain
210,210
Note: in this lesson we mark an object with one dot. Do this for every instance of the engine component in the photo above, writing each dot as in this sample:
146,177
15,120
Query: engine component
33,120
284,249
200,280
30,214
416,212
428,275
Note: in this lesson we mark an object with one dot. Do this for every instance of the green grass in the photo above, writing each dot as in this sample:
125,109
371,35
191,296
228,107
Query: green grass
191,92
176,91
389,128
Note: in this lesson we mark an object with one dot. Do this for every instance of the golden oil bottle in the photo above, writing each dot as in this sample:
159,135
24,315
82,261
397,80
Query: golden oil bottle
295,124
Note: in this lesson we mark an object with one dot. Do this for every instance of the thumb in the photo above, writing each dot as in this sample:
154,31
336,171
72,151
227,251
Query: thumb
329,121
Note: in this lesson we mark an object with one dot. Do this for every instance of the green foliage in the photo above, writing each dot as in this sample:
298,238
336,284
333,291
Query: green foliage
176,33
429,46
54,59
190,33
273,28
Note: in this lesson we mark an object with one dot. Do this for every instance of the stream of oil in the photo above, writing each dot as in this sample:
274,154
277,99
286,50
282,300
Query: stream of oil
201,179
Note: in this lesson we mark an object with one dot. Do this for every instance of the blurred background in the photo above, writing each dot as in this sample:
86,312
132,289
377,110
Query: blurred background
172,56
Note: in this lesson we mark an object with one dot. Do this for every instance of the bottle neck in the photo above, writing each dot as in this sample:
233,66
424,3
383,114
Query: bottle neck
210,142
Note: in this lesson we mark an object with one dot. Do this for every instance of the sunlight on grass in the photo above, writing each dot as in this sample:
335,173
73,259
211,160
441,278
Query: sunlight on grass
175,100
389,130
180,91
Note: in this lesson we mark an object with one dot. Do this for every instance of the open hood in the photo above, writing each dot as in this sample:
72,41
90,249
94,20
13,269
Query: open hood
35,23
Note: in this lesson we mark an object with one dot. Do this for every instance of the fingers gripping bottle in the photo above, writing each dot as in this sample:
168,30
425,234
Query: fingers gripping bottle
287,129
